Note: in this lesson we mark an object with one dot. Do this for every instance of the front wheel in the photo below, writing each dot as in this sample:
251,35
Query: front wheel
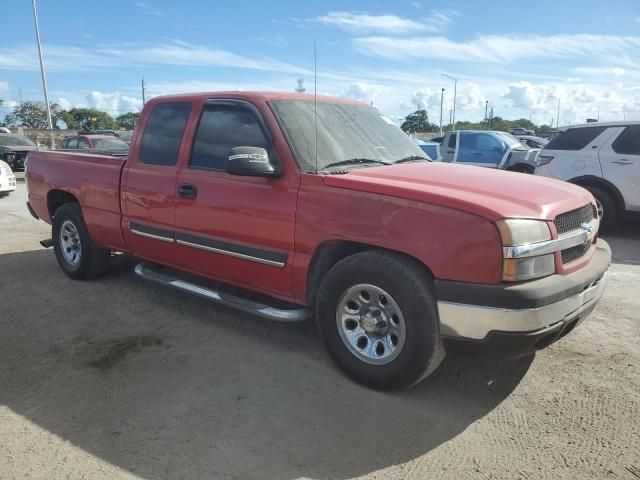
76,253
606,205
378,319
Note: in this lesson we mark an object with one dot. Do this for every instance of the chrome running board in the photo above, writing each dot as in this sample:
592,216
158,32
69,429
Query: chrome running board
156,274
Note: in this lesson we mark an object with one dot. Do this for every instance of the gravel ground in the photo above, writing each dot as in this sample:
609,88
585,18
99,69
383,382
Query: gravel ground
119,378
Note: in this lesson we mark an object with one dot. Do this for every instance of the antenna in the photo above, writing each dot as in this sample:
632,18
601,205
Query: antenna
315,97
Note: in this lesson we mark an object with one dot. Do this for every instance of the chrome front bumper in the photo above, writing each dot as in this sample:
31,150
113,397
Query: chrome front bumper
475,322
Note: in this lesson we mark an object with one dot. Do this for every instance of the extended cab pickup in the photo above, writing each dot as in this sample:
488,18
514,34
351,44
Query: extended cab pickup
283,207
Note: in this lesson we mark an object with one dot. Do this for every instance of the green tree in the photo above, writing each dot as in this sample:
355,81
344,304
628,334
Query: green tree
127,120
88,119
417,121
33,115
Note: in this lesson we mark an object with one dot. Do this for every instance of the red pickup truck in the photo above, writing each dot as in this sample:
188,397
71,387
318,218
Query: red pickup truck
287,206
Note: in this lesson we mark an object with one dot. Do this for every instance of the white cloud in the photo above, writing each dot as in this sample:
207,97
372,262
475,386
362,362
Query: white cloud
617,71
437,21
364,92
499,48
149,10
114,103
66,58
361,22
4,87
577,101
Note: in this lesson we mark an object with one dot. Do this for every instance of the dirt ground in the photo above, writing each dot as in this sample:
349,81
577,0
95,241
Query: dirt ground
119,378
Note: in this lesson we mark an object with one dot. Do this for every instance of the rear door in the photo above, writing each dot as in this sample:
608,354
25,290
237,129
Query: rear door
620,160
480,149
149,183
234,228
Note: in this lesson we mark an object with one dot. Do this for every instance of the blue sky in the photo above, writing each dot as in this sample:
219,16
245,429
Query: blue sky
522,59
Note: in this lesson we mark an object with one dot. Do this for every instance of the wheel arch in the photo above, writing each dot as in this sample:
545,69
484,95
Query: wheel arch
330,252
57,198
593,181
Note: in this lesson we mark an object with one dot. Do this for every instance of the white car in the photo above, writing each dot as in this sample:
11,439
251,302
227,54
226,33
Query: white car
7,179
604,158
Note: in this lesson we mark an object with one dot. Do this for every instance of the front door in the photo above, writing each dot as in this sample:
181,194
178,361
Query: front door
620,161
234,228
480,149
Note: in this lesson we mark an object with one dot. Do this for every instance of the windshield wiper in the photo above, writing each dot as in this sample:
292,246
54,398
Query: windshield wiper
353,161
412,158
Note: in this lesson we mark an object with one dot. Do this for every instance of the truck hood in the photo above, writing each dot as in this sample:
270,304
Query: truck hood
493,194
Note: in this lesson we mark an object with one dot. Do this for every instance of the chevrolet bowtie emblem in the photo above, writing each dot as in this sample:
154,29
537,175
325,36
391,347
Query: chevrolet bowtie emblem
589,230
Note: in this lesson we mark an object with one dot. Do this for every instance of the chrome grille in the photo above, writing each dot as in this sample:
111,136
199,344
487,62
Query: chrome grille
572,220
574,253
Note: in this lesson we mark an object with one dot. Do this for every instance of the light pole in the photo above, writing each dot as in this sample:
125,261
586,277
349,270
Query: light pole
441,102
486,110
44,78
455,88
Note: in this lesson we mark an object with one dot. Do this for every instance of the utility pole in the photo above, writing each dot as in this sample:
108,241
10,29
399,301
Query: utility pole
486,110
598,113
441,102
143,97
558,115
44,78
455,88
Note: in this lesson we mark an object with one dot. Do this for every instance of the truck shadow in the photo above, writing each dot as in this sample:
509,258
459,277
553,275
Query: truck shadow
166,385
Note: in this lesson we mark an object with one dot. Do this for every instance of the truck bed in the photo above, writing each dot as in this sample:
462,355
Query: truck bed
92,178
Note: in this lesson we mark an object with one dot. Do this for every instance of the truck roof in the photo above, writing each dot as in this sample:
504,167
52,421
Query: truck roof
252,96
620,123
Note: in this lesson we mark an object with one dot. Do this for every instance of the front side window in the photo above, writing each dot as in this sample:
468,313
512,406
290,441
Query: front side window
628,142
480,148
110,144
575,138
163,133
452,140
83,144
222,128
71,143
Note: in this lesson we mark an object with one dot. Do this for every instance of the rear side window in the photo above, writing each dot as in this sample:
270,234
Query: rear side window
220,130
575,138
71,143
163,133
452,140
628,142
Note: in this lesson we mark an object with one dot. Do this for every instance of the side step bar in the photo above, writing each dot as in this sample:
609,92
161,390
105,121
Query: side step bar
48,243
158,275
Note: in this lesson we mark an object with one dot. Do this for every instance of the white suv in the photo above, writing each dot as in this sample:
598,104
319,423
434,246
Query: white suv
604,158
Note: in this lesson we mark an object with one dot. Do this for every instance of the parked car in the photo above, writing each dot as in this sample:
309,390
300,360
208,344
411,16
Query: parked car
7,179
320,209
107,143
521,131
485,148
121,134
532,141
14,149
4,130
602,157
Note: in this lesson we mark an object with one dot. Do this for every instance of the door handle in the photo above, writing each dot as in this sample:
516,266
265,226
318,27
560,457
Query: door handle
188,191
623,161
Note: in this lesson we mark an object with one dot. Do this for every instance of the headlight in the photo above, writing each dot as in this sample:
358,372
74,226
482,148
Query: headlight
522,232
5,169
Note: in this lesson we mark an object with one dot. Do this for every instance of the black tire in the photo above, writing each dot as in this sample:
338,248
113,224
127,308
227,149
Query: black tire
609,208
4,194
521,168
93,261
411,288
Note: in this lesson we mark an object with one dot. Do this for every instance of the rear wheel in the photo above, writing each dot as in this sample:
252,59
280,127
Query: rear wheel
607,208
378,319
76,253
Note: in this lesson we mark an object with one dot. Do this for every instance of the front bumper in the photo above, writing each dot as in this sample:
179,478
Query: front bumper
516,319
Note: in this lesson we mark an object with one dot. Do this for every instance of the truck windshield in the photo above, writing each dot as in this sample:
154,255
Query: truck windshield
7,140
345,131
513,142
